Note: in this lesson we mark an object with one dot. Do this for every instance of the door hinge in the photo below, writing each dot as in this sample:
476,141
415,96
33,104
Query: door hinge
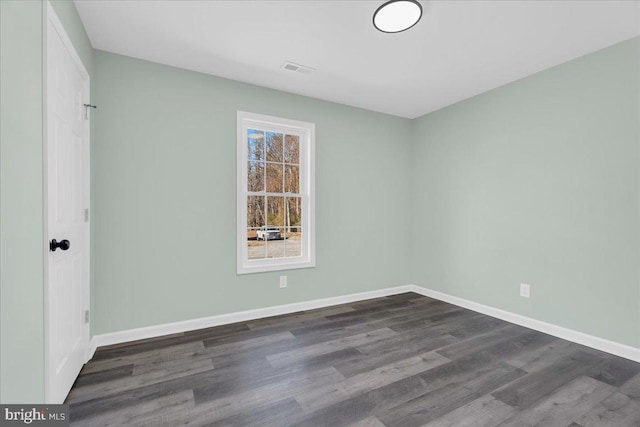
86,215
86,316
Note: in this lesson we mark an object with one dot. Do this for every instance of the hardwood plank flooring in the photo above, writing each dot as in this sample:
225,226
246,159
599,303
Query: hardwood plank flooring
402,360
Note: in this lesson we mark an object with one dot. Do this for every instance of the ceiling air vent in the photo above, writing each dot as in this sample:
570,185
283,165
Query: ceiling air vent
297,68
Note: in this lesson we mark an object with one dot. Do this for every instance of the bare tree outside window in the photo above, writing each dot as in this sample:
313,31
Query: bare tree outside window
274,226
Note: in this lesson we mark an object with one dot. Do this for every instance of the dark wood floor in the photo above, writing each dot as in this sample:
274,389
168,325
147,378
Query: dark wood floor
403,360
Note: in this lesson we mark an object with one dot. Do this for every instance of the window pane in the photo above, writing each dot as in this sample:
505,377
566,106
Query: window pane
274,177
256,144
292,149
294,212
275,211
255,176
275,244
255,211
293,242
255,248
274,147
292,179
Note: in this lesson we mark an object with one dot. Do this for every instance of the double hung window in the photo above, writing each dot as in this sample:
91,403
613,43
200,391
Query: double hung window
275,194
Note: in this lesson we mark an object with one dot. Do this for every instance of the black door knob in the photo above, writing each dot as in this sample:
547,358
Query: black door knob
63,244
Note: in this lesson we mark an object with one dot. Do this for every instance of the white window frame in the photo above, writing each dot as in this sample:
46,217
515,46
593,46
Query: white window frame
306,130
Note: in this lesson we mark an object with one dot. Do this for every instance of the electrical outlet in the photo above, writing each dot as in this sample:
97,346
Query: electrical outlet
525,290
283,281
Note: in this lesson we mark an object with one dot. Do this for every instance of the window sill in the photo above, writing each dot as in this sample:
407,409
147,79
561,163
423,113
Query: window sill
263,267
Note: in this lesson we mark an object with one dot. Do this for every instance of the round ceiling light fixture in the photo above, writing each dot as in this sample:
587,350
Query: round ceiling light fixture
397,15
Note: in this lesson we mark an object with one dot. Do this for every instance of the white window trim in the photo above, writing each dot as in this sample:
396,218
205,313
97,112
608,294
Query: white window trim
247,120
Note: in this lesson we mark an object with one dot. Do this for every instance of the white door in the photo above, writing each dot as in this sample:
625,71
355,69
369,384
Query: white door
67,223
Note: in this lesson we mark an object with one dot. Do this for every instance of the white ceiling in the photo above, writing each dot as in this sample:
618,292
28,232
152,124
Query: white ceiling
458,49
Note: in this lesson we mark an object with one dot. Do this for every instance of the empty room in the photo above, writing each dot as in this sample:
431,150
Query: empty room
356,213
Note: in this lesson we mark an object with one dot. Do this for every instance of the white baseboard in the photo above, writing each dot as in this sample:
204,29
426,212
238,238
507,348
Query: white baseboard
602,344
241,316
598,343
93,346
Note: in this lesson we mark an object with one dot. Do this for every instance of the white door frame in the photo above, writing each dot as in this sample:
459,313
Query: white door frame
49,16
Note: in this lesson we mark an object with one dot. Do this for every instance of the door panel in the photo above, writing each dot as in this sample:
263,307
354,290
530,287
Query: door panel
67,148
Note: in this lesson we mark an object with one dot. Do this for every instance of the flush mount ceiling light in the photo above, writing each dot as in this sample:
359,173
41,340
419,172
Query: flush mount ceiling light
397,15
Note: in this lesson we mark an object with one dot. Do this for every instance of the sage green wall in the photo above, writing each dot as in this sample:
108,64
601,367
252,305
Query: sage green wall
21,292
21,193
538,182
163,186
